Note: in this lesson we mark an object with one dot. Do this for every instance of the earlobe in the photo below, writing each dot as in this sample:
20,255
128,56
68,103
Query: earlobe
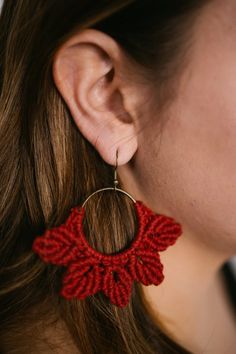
85,73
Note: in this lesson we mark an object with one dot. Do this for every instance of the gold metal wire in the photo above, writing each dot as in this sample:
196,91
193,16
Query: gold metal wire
111,188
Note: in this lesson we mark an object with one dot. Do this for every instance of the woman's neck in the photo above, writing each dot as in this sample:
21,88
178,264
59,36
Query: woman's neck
191,302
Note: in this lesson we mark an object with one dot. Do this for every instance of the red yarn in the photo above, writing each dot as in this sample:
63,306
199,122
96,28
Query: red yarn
89,271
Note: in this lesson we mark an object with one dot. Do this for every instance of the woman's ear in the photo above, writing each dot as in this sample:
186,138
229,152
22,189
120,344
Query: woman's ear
89,72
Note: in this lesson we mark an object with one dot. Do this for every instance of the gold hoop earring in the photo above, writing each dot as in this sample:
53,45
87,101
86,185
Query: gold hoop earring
89,271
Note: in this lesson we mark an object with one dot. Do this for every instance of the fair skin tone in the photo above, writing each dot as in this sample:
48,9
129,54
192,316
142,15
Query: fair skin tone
187,173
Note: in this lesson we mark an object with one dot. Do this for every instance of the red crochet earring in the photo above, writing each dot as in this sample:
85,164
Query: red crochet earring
89,271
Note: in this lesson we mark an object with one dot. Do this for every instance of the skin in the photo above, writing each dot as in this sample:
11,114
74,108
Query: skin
187,172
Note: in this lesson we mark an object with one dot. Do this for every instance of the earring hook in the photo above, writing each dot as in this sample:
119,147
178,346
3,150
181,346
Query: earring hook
111,188
115,171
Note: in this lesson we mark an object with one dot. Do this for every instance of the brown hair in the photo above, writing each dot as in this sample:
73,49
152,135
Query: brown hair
43,173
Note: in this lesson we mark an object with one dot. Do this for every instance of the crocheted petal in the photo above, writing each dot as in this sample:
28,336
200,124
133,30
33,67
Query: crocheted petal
145,212
168,236
147,268
81,281
60,245
117,290
57,246
72,219
161,232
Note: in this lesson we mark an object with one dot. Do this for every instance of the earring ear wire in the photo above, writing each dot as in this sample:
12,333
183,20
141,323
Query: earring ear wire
115,171
116,182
